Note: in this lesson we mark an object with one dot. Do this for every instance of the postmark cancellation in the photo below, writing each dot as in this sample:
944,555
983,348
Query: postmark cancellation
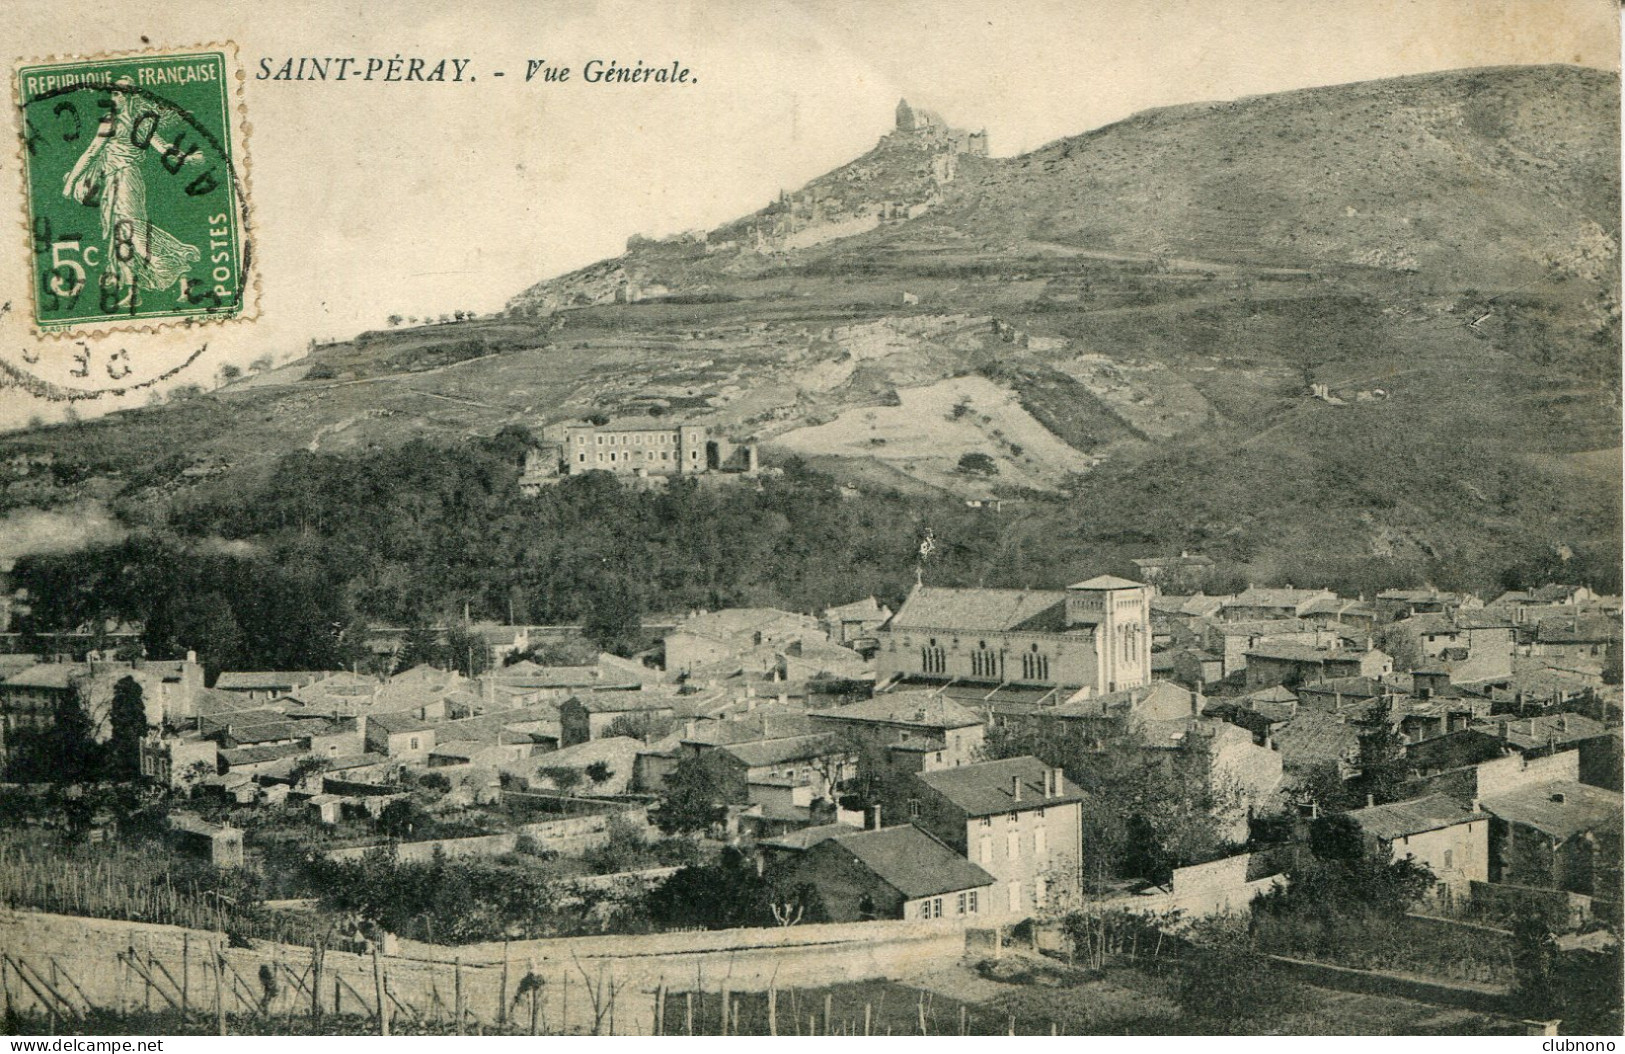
135,189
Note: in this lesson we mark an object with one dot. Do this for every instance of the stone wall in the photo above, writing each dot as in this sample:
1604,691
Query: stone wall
105,958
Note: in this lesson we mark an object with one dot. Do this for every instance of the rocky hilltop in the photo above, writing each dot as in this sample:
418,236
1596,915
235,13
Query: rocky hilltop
1375,319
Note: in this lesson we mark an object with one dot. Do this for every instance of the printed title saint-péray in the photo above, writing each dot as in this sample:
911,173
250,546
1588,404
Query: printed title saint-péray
457,70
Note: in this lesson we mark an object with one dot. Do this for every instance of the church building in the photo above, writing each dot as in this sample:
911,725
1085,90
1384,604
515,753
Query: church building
1094,635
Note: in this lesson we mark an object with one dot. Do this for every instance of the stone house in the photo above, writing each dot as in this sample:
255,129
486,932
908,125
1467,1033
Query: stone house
400,736
898,734
1449,839
887,873
588,716
1560,835
1018,819
1295,664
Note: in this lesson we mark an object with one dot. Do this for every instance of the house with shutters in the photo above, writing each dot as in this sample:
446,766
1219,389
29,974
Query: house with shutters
894,735
896,872
1449,839
1018,819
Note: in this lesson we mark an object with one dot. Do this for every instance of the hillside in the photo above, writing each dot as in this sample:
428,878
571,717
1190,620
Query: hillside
1364,331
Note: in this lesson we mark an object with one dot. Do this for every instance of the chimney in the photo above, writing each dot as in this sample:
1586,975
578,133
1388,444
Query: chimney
1057,775
1015,787
1370,801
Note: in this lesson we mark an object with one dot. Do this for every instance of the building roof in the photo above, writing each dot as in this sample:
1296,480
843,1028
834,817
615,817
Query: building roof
1578,629
733,622
919,709
396,722
1401,819
1307,653
622,703
1106,582
632,424
1560,809
981,610
266,680
807,837
1265,627
910,861
258,755
1533,733
1455,622
777,751
1314,736
866,610
1262,597
1338,606
987,788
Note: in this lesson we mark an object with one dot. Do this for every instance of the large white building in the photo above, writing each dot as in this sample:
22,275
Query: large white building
1094,635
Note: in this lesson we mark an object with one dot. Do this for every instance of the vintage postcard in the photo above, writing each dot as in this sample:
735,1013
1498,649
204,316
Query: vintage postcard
811,518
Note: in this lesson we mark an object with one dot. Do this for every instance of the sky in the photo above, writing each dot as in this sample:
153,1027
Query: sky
372,199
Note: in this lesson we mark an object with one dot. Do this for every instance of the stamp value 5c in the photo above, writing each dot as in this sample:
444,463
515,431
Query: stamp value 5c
136,204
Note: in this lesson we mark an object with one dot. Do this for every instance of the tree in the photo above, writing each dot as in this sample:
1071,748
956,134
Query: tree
1400,642
403,819
564,778
1382,752
74,754
635,726
978,463
230,372
128,722
613,620
468,652
599,772
420,645
696,795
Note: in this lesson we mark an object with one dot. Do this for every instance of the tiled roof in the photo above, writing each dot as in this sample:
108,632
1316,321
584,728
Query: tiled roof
910,861
1313,736
987,788
395,723
1456,622
1582,808
918,709
775,751
1404,818
988,610
265,680
1530,733
1303,653
623,702
866,609
1578,629
808,837
1265,627
1258,596
1107,582
257,755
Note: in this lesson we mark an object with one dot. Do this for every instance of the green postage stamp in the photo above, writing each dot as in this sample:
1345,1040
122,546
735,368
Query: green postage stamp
133,171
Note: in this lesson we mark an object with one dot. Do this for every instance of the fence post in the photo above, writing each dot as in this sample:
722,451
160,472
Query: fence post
828,1000
502,992
219,992
727,1002
868,1012
772,1011
457,991
688,1013
378,986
